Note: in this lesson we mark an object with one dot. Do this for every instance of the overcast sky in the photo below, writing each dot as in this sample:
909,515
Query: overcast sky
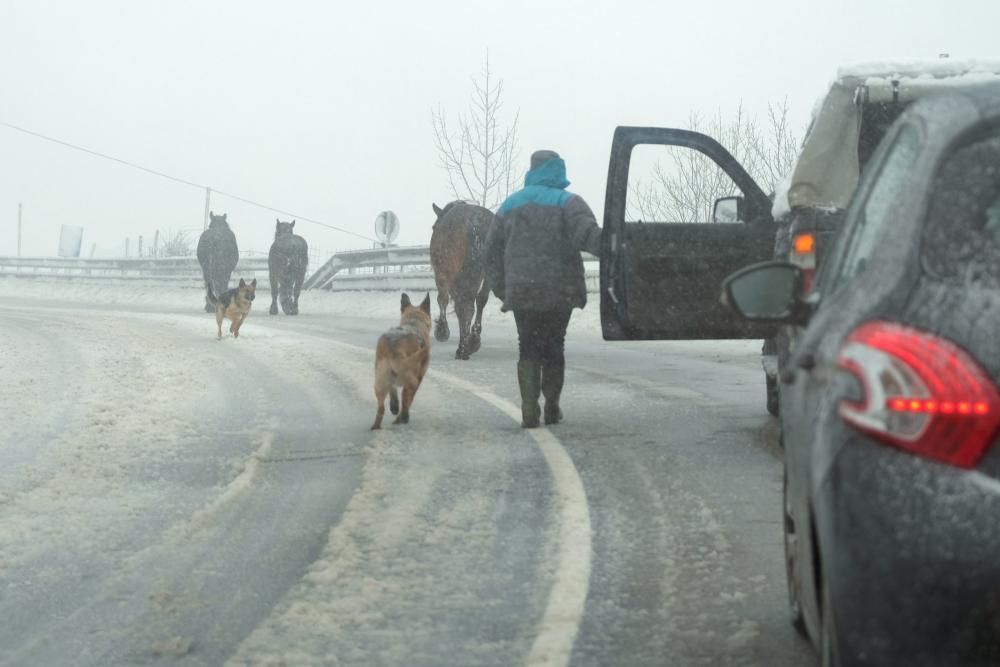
323,108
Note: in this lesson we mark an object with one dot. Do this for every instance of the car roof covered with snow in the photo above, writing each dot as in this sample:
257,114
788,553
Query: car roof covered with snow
827,170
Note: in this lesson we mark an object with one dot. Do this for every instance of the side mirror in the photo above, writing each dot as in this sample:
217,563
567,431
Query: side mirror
728,209
767,292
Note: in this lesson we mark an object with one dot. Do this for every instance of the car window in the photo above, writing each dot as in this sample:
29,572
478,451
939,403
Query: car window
961,240
670,184
874,212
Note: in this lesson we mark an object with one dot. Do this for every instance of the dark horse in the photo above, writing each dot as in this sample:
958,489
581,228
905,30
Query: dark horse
458,242
287,264
217,254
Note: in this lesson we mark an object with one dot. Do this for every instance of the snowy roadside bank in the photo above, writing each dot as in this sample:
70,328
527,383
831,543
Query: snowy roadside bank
585,324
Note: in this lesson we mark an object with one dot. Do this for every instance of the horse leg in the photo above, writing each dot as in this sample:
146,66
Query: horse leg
477,328
441,332
283,298
296,290
275,286
463,308
209,306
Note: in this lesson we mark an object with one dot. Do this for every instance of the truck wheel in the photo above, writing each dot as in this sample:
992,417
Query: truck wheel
772,394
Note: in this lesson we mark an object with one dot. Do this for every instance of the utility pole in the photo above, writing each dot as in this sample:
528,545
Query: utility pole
18,229
156,244
208,200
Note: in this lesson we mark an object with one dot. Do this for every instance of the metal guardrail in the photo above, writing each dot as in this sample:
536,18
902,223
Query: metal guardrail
179,270
379,258
380,269
386,259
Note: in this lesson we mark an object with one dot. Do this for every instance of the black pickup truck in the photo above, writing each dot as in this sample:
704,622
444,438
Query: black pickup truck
661,279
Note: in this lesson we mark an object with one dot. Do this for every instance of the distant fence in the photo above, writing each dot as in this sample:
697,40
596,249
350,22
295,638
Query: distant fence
382,269
389,269
182,271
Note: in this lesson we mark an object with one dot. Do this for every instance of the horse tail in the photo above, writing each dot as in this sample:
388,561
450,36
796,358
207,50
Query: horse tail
217,280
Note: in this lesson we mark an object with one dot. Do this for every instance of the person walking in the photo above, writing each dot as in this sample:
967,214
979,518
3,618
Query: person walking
534,265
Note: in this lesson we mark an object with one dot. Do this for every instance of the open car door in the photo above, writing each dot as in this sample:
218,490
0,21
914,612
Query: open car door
670,238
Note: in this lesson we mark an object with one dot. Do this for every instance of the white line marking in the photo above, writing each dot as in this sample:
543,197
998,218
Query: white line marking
568,596
563,614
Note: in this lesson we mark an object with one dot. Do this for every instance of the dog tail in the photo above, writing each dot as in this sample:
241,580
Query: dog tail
399,356
396,356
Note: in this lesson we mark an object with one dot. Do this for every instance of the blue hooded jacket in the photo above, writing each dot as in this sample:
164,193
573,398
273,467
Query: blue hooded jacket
545,185
533,252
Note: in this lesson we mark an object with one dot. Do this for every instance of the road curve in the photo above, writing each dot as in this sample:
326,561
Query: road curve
169,498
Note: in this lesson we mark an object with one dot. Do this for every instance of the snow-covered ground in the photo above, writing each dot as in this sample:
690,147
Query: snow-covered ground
374,306
168,498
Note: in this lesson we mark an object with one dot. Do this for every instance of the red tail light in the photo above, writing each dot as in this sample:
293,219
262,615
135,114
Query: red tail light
922,393
803,255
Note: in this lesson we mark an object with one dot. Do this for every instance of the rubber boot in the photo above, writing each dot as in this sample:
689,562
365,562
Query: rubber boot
552,384
529,377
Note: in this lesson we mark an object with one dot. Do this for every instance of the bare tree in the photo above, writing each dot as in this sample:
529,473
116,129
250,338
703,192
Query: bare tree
685,186
176,244
478,154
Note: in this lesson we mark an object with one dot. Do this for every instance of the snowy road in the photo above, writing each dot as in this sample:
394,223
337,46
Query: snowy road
166,498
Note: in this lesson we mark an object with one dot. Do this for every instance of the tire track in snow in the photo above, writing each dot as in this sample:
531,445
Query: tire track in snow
567,599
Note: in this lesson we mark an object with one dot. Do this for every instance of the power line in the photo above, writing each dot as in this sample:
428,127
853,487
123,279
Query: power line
181,180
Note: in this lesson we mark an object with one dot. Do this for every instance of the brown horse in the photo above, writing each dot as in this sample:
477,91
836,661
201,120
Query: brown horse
457,246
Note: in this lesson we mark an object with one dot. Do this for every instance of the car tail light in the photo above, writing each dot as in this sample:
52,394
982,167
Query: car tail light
803,255
922,393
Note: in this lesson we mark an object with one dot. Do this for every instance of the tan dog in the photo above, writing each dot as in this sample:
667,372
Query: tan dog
234,305
401,359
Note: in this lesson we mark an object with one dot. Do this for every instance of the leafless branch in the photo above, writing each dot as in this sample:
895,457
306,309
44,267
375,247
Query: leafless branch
479,156
685,186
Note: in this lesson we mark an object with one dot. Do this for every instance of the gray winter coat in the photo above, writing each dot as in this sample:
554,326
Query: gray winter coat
533,252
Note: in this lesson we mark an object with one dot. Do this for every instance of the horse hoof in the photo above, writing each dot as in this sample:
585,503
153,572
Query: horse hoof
209,308
441,333
274,310
473,344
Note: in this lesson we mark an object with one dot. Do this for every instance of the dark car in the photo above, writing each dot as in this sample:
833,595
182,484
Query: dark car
848,124
890,409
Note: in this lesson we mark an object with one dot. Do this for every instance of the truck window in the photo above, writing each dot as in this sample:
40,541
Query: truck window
669,184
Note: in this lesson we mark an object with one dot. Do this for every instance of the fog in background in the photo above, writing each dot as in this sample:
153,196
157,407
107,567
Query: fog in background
324,109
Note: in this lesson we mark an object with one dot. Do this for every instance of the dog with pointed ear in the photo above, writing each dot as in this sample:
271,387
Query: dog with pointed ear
402,356
425,305
235,305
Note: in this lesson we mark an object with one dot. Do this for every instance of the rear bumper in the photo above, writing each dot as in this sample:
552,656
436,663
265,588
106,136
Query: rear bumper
911,554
